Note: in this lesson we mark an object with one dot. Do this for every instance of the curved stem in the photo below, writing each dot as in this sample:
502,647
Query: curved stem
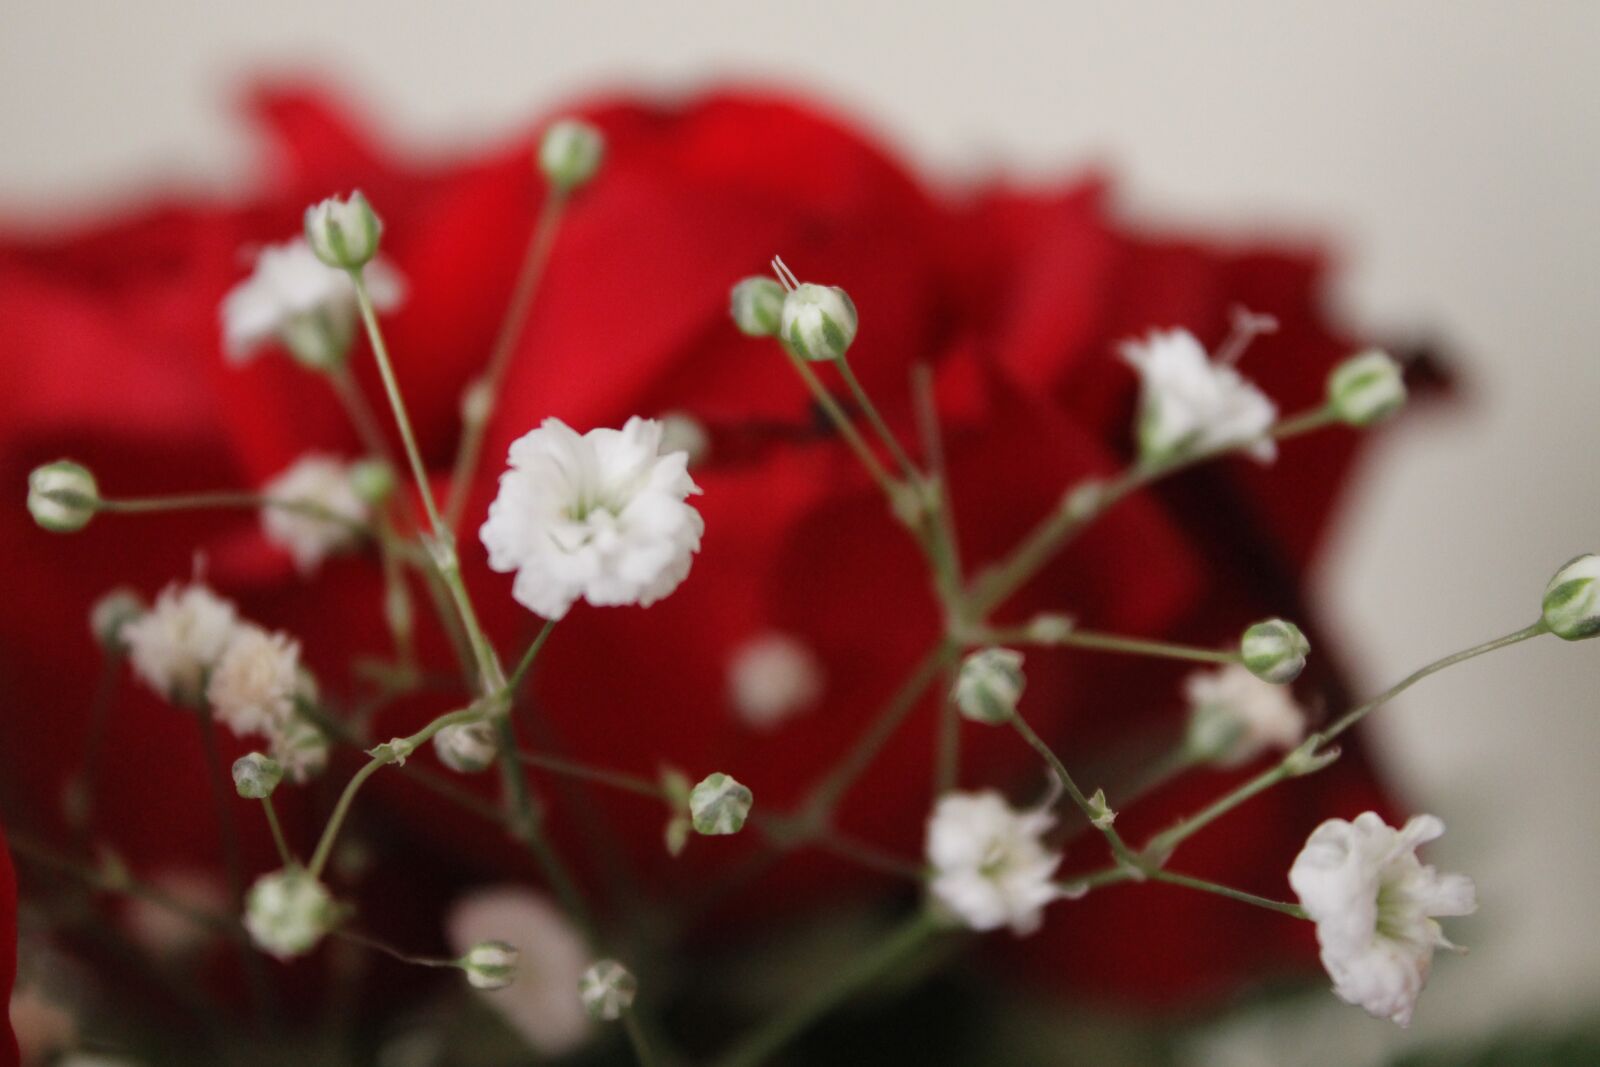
229,499
277,834
636,1038
1119,848
842,423
907,469
1293,910
1104,642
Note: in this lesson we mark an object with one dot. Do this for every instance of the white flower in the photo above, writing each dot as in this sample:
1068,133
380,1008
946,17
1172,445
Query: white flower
42,1026
466,747
1190,405
543,1004
299,746
287,912
1235,716
1373,902
990,866
179,639
772,677
294,299
166,931
253,686
607,990
323,482
602,516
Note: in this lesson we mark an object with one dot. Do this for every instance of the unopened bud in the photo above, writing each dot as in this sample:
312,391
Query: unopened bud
570,152
819,322
1572,599
676,787
373,480
466,747
1100,813
1274,651
1050,629
1366,388
256,775
756,305
287,912
343,233
607,990
1307,760
719,805
989,685
477,400
682,432
111,613
62,496
490,965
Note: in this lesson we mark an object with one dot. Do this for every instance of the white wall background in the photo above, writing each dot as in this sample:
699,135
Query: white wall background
1453,147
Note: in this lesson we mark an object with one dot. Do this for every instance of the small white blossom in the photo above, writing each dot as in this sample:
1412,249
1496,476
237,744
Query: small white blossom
570,152
1235,716
602,516
1274,650
253,685
719,805
607,990
991,867
343,231
113,611
1189,405
467,747
287,912
168,932
1571,607
771,678
1366,388
321,482
756,305
179,639
256,775
1374,904
543,1004
295,300
819,322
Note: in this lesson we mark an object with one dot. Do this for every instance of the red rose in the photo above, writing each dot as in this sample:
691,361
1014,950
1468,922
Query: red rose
1015,298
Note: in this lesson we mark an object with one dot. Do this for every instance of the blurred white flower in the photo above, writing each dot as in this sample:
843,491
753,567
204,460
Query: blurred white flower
294,299
602,516
179,639
287,912
991,867
253,685
1373,902
165,931
543,1005
772,677
42,1027
299,746
1190,405
1235,716
323,482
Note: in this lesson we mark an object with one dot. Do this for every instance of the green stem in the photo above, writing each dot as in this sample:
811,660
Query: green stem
226,498
842,423
526,824
277,834
1119,848
907,469
615,779
360,413
759,1046
1294,910
636,1038
947,756
389,950
526,662
1105,642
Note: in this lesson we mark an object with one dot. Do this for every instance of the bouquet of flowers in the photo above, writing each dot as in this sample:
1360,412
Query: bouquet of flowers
642,593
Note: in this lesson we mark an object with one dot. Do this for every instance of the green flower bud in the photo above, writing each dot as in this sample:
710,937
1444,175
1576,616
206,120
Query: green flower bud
719,805
607,990
287,912
467,747
111,613
756,305
373,481
819,322
1366,388
1100,813
256,775
570,152
1274,651
989,685
62,496
1572,599
490,965
343,233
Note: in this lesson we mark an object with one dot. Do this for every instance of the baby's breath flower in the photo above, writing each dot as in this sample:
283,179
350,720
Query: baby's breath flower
989,685
167,932
1274,650
298,743
1366,388
601,516
991,868
756,305
344,233
256,775
1572,599
1374,904
467,747
179,639
490,965
287,912
62,496
1189,405
772,677
819,322
570,153
111,613
607,990
1235,716
321,482
252,687
719,805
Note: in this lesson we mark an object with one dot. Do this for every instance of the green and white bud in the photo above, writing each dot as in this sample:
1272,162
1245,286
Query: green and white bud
570,152
719,805
466,747
256,775
1572,599
1274,650
373,480
1366,388
343,233
1306,759
287,912
989,685
62,496
490,965
819,322
607,990
756,305
1100,813
675,785
111,613
1050,628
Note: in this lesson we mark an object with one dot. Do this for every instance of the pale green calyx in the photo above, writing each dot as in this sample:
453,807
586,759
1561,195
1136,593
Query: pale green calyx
1572,599
676,787
256,775
62,496
111,613
1100,813
490,965
819,322
989,685
607,990
756,304
570,152
1309,757
287,912
1274,650
343,233
373,480
719,805
1366,388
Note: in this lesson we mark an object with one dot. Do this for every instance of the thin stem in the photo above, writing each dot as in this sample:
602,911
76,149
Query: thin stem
933,448
947,756
360,413
229,499
1119,848
1172,878
758,1047
628,783
842,423
88,778
278,839
526,662
1305,422
636,1038
1105,642
389,950
880,427
220,798
512,326
525,823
